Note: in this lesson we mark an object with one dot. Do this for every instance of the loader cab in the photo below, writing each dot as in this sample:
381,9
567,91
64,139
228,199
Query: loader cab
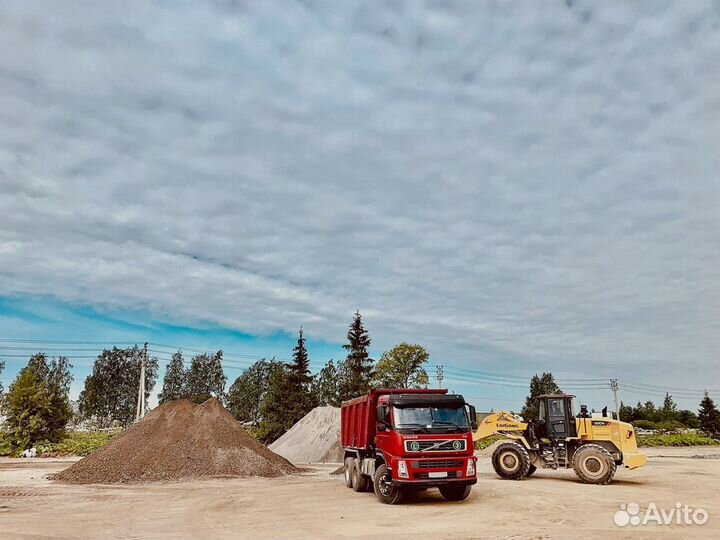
557,415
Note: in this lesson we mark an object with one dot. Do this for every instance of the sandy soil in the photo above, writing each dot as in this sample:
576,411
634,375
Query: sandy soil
317,505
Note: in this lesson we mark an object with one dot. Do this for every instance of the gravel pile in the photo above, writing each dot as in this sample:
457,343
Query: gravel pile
313,439
179,440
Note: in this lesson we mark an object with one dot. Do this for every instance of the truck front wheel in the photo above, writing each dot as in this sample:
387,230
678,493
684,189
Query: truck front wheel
455,493
385,491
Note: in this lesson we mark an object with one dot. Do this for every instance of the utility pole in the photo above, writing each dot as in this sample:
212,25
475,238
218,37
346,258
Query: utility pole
614,388
140,411
439,375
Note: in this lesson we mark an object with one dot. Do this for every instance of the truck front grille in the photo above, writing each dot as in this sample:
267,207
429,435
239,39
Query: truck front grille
440,464
453,445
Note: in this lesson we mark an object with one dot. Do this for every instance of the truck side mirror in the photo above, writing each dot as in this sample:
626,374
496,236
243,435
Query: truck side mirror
473,417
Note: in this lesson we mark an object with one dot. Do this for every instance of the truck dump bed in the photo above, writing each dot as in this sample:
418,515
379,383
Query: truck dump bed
357,420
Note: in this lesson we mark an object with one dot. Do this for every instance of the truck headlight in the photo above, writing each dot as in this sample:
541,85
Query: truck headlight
470,467
402,469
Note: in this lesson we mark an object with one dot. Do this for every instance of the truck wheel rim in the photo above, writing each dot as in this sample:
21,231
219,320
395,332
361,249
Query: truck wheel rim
347,474
509,461
385,486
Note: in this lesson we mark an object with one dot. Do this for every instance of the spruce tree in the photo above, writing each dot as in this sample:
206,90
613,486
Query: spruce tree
669,409
301,362
709,416
301,399
358,375
2,367
175,381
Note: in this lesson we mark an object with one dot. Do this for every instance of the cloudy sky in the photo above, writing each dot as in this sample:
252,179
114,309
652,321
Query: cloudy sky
518,186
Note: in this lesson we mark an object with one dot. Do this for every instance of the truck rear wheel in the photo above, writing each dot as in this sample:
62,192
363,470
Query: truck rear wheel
349,462
385,491
511,461
455,493
360,482
593,464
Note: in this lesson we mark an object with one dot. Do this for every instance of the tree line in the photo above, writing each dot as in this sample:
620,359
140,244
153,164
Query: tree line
667,417
269,396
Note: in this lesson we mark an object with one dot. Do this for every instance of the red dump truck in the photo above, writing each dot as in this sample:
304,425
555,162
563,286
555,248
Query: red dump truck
399,440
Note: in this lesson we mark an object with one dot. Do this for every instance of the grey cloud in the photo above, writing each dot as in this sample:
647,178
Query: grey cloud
498,180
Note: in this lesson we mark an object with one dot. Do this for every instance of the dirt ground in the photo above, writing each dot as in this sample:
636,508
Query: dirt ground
315,505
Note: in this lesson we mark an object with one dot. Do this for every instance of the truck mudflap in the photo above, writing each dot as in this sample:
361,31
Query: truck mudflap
633,460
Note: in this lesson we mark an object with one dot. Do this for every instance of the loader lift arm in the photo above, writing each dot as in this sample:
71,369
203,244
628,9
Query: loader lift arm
502,423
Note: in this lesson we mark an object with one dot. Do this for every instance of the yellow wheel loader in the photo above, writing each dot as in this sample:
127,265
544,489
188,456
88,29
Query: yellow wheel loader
593,446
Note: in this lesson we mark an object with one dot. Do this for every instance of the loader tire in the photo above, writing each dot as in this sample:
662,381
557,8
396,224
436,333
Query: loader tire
455,493
360,481
593,464
349,463
385,492
531,470
511,461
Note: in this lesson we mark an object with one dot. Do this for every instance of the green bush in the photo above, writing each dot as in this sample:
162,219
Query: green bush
645,424
6,446
484,443
75,443
82,443
677,439
671,426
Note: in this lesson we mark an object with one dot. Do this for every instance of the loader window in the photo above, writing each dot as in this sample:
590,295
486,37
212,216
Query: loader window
556,407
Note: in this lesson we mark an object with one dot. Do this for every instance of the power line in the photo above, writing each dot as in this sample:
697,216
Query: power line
668,388
12,348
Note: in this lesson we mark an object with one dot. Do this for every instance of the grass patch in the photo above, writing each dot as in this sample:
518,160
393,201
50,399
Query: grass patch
676,439
75,443
484,443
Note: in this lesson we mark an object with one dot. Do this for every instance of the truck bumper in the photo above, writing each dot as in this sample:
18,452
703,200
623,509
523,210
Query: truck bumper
435,482
633,460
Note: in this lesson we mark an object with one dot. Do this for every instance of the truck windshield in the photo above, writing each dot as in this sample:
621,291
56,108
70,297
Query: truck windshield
431,418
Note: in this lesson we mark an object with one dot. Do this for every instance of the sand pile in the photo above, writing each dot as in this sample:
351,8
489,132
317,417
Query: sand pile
314,439
177,440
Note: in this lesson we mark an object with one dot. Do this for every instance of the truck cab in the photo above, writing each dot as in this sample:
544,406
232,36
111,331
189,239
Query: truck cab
399,440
